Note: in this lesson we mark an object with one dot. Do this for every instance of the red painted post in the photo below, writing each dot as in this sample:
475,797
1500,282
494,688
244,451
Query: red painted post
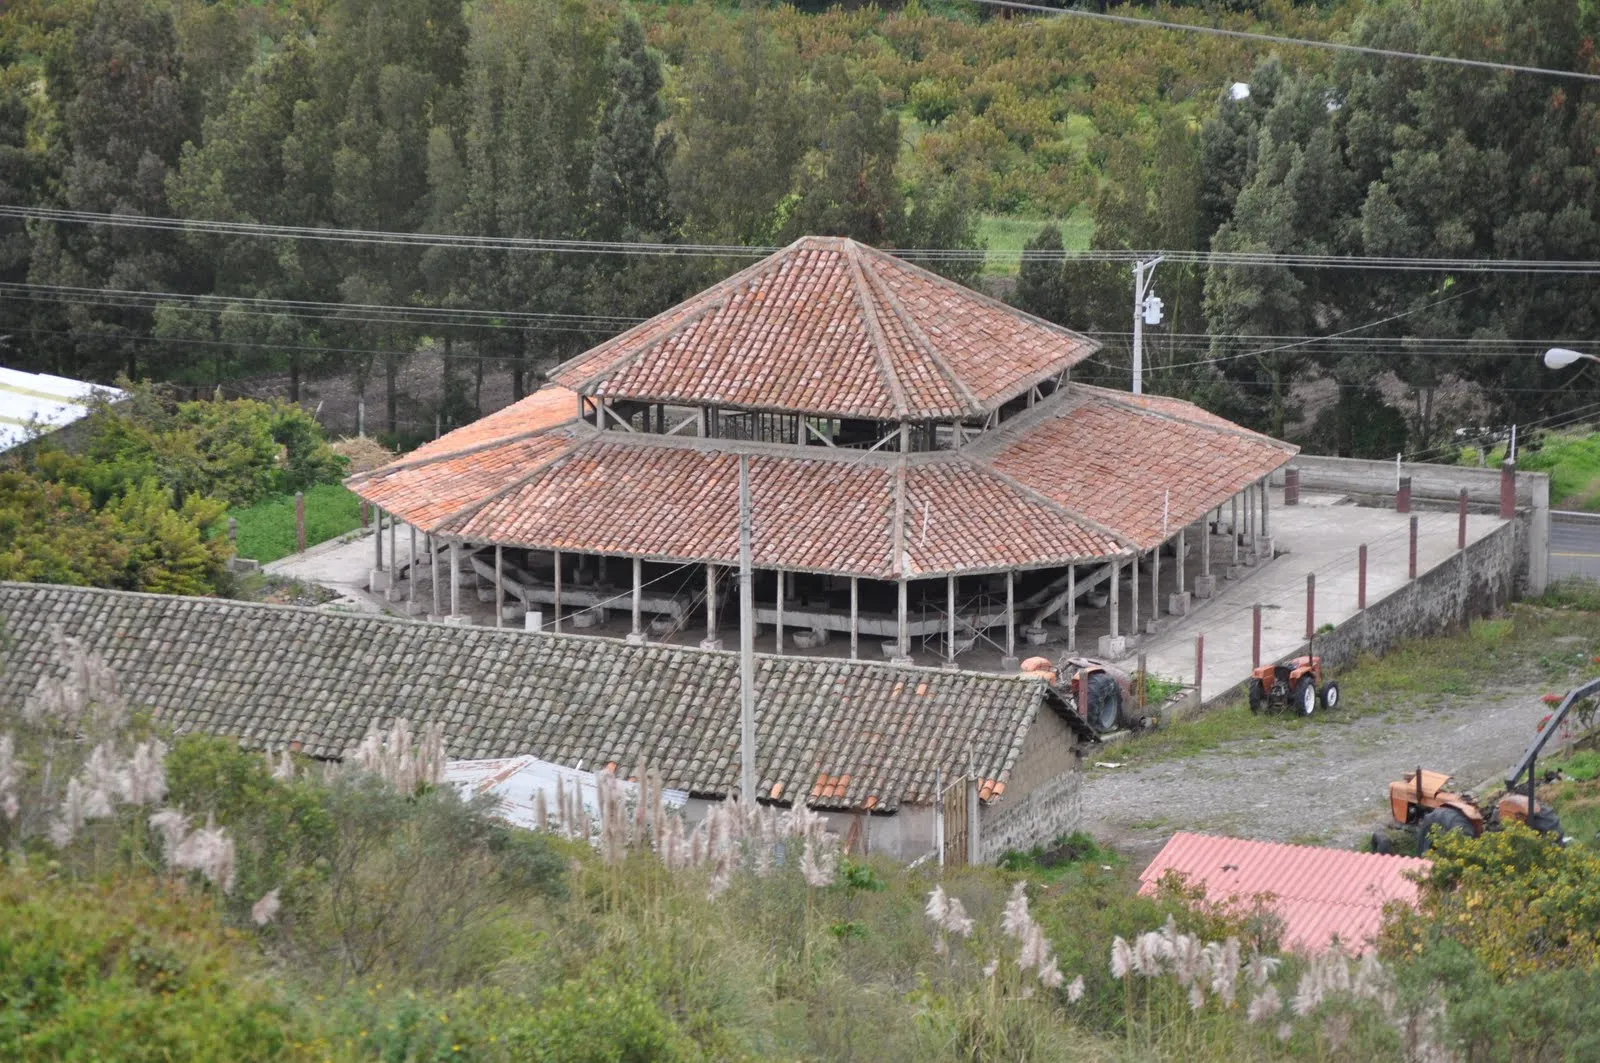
1508,490
1461,521
363,514
299,522
1291,485
1361,578
1402,496
1412,568
1255,637
1199,665
1311,605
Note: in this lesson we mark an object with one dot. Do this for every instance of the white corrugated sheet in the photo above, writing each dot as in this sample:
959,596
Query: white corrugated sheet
31,401
516,781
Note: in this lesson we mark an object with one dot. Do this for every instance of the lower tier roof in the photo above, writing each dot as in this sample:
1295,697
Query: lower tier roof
1087,474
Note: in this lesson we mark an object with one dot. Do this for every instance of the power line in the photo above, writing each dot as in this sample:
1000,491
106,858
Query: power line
928,254
1269,38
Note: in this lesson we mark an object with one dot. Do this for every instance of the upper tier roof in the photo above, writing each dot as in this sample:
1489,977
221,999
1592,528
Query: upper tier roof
832,328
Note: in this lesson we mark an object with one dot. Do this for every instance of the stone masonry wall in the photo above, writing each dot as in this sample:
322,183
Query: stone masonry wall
1043,798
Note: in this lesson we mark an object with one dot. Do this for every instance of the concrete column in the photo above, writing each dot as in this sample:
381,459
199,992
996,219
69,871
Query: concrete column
950,622
1178,604
778,631
411,584
1539,536
636,635
855,618
1155,585
711,641
1072,608
433,574
1266,507
1291,485
1205,584
455,578
499,586
394,556
1233,519
1183,548
1412,568
1361,577
1113,644
377,541
555,608
903,638
1508,490
1011,620
1133,622
1402,495
378,579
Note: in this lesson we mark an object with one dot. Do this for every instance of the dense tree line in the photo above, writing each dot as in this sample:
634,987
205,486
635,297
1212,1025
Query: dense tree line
591,119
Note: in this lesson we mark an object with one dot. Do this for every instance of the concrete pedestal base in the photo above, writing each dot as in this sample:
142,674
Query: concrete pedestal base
459,620
393,594
533,620
1205,586
377,580
1266,547
1153,626
904,662
949,666
589,618
1178,604
1113,646
416,608
810,638
636,638
513,613
1009,664
711,644
1034,635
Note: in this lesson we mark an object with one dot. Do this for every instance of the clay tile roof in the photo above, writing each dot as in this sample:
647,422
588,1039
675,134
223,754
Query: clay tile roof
834,328
1319,893
546,408
851,732
1124,462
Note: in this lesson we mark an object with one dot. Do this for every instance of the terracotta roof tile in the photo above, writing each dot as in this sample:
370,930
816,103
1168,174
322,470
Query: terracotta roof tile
834,328
546,408
273,675
1122,467
425,494
1319,893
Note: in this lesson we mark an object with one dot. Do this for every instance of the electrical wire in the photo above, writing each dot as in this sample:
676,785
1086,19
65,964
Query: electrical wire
1269,38
930,254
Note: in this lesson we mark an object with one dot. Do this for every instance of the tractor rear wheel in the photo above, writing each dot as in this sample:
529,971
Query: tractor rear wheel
1305,696
1330,696
1258,696
1105,710
1445,820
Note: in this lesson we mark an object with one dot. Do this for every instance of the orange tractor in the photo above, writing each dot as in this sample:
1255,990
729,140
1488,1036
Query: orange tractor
1420,801
1295,684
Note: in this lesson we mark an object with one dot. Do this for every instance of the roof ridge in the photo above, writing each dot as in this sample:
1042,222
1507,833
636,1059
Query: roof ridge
982,466
494,496
1291,845
403,466
921,339
852,255
712,295
1121,398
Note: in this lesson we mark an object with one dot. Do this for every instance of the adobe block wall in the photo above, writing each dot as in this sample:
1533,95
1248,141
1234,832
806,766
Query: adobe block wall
1043,798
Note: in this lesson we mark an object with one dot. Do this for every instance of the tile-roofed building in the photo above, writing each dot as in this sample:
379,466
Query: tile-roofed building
1320,894
841,735
39,402
920,466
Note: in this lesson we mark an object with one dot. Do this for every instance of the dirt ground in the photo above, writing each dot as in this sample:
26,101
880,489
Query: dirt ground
1323,785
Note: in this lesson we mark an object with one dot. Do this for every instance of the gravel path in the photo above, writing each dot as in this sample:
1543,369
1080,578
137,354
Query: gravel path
1326,784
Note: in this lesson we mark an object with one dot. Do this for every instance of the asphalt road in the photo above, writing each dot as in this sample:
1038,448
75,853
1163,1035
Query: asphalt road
1574,545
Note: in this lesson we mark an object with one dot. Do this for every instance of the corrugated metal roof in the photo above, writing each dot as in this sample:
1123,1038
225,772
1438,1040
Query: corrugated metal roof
39,400
1319,893
516,782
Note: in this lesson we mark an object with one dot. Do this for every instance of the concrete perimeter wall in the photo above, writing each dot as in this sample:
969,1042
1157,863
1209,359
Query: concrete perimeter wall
1442,482
1043,798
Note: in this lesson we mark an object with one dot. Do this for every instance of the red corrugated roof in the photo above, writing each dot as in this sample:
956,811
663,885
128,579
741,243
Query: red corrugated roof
1319,893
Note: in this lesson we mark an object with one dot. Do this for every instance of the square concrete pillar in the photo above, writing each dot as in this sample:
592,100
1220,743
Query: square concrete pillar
1266,548
1178,604
636,638
587,618
711,644
1113,646
1152,626
1010,664
1205,586
533,620
391,593
416,608
459,620
377,581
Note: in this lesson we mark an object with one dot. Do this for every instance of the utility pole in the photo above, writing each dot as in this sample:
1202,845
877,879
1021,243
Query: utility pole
1143,310
747,645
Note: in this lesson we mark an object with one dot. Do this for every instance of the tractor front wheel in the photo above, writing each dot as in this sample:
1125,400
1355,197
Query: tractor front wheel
1330,696
1305,696
1445,820
1258,696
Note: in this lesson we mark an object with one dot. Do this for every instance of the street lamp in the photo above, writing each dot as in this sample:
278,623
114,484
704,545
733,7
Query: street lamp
1561,357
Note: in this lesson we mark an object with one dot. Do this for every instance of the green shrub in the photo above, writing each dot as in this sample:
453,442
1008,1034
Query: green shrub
128,971
934,101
